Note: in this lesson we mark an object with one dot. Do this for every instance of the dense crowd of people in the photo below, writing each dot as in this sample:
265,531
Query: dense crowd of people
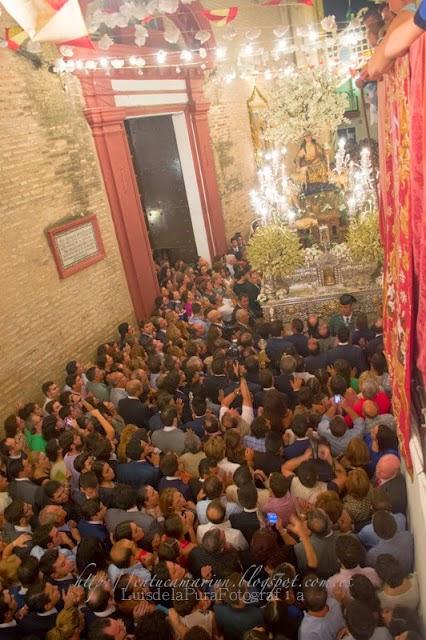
211,474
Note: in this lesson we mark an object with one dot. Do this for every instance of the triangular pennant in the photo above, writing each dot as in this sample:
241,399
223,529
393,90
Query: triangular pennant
15,37
221,17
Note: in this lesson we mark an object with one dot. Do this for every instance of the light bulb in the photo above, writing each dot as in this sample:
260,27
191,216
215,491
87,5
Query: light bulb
282,46
221,53
186,55
161,56
117,63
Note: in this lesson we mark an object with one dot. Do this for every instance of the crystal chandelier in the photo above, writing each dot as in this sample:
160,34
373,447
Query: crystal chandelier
361,192
273,199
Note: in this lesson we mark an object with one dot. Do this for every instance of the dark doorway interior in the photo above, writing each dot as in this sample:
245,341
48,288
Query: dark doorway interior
159,174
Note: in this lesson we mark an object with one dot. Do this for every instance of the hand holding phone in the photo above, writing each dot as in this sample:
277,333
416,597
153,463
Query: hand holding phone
271,518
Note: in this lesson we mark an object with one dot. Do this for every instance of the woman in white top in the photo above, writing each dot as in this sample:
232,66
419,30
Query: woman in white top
398,589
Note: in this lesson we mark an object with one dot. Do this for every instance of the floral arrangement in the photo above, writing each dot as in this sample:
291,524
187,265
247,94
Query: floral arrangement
275,251
342,252
312,254
304,103
363,239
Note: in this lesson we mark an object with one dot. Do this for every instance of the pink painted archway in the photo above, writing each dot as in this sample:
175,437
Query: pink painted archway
106,112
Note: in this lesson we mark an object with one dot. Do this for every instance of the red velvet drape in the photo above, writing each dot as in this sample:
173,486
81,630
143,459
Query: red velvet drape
395,214
418,194
402,140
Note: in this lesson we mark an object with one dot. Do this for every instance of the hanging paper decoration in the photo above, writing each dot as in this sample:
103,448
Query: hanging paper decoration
253,34
127,10
141,35
67,52
280,32
221,17
172,33
49,20
168,6
15,37
203,36
105,42
229,33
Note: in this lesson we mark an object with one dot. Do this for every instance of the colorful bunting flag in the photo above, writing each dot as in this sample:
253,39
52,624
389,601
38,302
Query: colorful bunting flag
221,17
58,21
15,37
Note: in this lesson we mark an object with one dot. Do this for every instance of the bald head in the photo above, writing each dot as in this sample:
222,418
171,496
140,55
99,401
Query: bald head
216,512
370,409
134,388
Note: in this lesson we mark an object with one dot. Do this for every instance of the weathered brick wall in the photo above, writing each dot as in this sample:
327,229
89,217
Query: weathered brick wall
233,151
49,171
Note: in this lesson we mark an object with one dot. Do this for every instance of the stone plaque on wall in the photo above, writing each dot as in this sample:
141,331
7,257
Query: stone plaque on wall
76,245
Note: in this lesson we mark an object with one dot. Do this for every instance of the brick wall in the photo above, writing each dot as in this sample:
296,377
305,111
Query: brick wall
49,171
233,151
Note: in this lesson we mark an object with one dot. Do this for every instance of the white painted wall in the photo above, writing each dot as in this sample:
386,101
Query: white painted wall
191,185
416,490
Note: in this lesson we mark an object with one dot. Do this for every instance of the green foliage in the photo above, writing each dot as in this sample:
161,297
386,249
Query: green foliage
363,239
275,250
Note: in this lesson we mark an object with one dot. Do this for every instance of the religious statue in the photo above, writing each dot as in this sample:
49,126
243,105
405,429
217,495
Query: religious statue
312,164
258,113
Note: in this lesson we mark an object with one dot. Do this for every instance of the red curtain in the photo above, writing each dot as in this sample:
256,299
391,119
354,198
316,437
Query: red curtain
395,215
418,194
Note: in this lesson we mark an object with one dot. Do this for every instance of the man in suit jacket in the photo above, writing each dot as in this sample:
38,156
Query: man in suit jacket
138,471
297,339
17,517
271,461
216,381
132,409
248,520
124,508
283,382
92,524
22,488
315,360
345,351
8,607
43,601
199,409
276,344
346,317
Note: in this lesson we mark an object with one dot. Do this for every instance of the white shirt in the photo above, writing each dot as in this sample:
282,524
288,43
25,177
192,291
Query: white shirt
232,536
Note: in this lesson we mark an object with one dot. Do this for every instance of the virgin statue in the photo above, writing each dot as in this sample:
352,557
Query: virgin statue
312,164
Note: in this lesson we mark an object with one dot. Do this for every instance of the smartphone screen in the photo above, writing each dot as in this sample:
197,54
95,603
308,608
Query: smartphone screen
271,518
337,398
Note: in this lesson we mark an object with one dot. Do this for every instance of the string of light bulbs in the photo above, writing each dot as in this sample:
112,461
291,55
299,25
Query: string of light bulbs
251,55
